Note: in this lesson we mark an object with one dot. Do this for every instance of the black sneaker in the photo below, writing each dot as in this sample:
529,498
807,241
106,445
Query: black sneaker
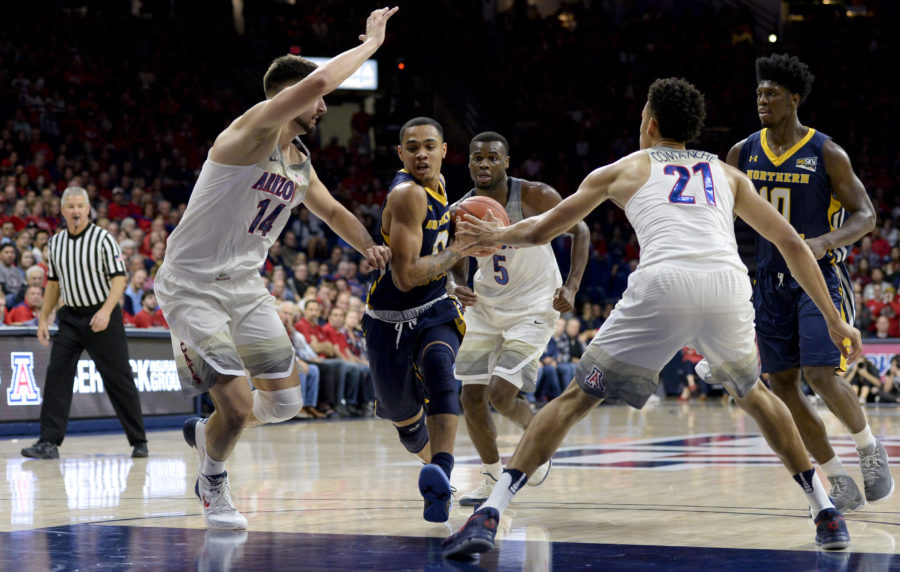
41,450
476,535
831,530
140,451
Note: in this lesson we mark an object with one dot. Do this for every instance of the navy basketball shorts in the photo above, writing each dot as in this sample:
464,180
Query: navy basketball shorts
790,329
395,354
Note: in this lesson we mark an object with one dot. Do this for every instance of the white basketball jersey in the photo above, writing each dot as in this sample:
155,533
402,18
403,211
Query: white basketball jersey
234,215
516,277
683,215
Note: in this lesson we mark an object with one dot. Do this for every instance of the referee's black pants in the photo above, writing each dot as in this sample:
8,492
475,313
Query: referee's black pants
109,350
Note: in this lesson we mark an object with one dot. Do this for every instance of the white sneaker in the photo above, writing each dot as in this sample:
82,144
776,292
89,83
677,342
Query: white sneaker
702,370
218,508
481,494
540,474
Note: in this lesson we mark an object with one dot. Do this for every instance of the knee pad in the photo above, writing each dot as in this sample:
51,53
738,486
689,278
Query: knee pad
277,406
414,436
440,384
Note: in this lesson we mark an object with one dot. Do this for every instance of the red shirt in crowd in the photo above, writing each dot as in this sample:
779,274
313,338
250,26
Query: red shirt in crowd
145,319
20,314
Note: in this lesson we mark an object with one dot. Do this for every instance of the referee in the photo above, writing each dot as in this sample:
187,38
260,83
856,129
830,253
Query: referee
85,268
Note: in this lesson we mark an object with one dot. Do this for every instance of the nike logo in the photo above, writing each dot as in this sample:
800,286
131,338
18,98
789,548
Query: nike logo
538,322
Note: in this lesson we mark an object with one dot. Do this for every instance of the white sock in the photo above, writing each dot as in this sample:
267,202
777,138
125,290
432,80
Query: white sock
864,438
818,496
493,469
502,494
212,467
834,468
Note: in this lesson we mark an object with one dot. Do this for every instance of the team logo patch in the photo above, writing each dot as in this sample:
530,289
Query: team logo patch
807,163
594,380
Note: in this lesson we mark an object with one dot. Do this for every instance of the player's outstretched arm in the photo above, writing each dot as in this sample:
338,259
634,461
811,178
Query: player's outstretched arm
254,128
322,204
763,217
545,227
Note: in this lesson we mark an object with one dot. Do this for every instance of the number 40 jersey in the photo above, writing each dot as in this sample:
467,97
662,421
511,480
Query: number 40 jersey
797,186
234,215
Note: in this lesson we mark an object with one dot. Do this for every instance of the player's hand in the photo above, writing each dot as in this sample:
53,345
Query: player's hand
564,300
376,25
818,247
100,320
466,295
467,245
378,256
481,232
841,333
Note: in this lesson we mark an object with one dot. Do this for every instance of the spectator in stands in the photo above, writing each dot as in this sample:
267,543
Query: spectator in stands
864,378
25,314
135,292
151,315
549,383
338,383
361,398
307,361
11,276
34,276
356,343
310,232
882,327
565,366
877,279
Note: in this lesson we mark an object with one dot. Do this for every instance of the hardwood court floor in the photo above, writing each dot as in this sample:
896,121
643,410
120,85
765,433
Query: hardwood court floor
672,487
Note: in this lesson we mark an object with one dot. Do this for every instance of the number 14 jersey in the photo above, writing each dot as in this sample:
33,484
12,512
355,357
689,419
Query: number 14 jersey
234,215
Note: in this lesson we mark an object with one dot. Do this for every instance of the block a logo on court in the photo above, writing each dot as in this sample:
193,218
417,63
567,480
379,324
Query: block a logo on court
22,388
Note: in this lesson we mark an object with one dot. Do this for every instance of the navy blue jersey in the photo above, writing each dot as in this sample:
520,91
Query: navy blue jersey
798,187
383,295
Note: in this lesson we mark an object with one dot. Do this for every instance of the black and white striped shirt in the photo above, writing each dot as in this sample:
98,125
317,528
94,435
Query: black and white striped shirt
83,265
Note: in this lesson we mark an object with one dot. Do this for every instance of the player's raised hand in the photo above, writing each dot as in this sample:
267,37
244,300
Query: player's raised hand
376,25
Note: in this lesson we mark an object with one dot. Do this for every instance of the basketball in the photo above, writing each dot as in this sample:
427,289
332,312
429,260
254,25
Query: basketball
478,207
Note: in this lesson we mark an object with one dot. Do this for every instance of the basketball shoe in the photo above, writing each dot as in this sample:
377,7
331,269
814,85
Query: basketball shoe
877,480
475,536
434,485
831,530
540,474
218,508
845,495
481,494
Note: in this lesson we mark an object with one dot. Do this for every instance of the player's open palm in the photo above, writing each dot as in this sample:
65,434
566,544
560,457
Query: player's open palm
377,24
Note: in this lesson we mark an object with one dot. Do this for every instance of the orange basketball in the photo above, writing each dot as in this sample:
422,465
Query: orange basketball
478,207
